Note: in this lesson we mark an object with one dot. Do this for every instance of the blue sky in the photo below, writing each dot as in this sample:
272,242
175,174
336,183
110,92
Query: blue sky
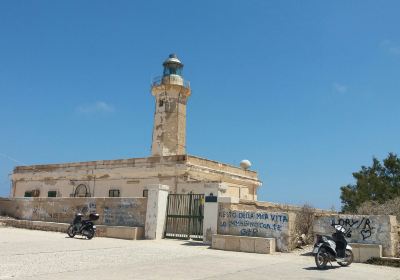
306,90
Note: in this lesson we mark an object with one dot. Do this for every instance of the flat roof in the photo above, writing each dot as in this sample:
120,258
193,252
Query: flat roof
195,160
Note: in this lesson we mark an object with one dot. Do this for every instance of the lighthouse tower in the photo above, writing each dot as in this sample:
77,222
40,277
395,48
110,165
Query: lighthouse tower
171,93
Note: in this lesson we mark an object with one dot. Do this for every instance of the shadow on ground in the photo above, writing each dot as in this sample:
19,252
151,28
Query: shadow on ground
195,243
316,268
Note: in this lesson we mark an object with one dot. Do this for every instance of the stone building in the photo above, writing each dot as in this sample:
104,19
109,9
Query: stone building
168,164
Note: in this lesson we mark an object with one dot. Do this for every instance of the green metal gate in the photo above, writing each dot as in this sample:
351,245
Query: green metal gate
185,216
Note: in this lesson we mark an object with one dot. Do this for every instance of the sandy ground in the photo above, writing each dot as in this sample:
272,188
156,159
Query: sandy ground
29,254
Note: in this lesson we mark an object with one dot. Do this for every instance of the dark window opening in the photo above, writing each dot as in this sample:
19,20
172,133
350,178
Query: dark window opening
52,194
28,194
114,193
145,193
160,103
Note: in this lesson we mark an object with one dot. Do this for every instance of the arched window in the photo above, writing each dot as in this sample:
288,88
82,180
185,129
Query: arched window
81,191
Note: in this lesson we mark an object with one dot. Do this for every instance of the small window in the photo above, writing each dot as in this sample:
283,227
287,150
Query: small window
160,103
28,194
145,193
114,193
52,194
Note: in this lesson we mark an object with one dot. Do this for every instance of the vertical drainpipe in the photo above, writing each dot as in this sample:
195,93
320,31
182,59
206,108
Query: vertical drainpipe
94,182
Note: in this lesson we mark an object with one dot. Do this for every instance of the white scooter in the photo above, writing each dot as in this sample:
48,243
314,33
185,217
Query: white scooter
335,248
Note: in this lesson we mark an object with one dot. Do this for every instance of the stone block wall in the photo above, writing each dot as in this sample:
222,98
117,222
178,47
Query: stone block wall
250,220
364,229
243,244
113,211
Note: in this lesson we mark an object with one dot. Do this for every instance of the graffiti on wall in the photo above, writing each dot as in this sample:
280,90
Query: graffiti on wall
363,226
115,212
252,223
124,213
85,209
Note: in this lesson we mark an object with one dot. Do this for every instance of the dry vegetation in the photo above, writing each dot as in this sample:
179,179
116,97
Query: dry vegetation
390,207
304,225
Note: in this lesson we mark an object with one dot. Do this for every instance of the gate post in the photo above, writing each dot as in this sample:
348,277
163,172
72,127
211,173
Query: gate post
156,211
212,193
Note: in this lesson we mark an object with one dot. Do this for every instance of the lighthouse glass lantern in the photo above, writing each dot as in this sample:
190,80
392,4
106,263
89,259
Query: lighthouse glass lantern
172,66
172,71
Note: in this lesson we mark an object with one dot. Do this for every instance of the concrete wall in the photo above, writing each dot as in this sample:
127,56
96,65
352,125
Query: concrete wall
113,211
248,220
373,229
243,244
131,233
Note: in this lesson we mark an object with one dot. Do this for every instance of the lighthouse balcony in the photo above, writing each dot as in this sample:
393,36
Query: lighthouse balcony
170,80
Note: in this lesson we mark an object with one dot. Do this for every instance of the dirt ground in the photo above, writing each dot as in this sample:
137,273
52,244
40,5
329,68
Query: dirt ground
29,254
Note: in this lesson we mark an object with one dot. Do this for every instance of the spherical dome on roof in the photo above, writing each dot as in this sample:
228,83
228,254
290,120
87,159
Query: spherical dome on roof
245,164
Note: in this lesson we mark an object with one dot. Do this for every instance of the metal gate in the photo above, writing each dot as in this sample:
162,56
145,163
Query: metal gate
185,216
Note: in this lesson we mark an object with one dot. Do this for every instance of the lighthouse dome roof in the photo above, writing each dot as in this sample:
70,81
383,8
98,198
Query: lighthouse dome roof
172,59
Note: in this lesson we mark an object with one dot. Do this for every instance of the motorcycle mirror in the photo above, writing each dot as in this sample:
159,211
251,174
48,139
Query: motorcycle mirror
340,228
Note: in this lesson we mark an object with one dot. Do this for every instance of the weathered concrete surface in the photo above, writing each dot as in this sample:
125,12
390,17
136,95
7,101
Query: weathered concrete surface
41,255
131,233
156,211
182,173
169,128
364,252
113,211
243,244
248,220
373,229
210,221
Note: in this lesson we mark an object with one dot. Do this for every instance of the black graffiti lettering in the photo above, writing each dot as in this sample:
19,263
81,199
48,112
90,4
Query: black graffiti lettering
362,221
367,229
350,225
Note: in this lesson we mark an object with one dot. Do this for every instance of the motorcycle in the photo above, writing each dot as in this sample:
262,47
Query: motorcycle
335,248
83,227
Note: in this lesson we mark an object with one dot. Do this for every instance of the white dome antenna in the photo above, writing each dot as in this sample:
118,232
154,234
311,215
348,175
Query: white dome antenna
245,164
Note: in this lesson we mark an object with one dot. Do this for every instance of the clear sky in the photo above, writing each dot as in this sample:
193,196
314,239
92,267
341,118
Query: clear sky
308,91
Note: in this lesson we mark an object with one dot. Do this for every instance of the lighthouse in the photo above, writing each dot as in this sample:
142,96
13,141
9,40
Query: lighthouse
171,93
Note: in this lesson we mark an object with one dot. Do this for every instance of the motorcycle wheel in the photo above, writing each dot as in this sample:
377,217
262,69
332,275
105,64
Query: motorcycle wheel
70,231
349,258
321,258
90,233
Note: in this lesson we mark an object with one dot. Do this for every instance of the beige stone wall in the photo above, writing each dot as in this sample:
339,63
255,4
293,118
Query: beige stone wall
113,211
130,176
249,220
365,229
183,174
131,233
169,130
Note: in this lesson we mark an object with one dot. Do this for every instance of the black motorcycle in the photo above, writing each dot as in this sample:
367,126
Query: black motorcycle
335,248
83,227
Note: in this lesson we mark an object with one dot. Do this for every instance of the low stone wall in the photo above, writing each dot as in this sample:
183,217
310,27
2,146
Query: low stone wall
373,229
125,211
249,220
364,252
131,233
246,244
